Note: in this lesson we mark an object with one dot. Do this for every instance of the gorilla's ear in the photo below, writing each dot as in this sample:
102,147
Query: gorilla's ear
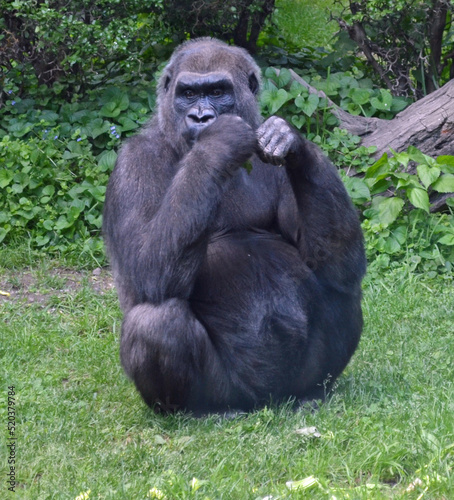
253,83
167,82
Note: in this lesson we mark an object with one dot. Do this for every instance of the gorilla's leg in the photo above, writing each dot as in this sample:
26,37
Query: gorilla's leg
168,354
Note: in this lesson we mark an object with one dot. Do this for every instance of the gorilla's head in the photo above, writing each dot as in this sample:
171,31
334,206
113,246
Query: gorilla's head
204,79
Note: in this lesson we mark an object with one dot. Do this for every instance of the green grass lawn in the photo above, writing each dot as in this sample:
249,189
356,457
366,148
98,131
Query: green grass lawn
80,425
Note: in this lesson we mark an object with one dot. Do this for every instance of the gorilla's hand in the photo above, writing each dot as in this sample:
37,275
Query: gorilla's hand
276,139
229,139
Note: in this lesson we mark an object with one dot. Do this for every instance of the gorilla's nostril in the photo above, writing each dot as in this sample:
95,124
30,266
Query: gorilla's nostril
201,118
206,118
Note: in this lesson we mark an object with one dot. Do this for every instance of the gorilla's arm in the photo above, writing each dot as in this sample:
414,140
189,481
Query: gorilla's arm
155,225
327,233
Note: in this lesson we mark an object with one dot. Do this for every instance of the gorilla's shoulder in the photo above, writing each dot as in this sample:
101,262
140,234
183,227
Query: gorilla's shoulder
149,136
150,143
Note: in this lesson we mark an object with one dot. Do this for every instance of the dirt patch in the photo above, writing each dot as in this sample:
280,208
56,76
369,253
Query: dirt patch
37,286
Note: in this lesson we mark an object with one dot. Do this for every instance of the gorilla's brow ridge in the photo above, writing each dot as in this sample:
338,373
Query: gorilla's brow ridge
200,80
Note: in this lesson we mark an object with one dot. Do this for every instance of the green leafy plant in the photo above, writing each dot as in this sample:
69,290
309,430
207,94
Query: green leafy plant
391,193
358,95
398,221
55,159
285,96
54,192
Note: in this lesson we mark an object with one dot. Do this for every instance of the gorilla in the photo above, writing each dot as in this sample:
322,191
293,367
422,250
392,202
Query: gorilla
239,286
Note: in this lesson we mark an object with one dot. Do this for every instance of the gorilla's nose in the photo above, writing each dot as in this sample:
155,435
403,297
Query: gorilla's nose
201,118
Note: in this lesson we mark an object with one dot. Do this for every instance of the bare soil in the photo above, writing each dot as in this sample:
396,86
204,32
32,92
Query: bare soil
34,286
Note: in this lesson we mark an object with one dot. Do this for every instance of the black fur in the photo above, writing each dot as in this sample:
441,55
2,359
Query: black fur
236,288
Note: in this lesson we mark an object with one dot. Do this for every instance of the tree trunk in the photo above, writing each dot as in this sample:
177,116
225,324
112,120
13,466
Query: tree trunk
427,124
437,27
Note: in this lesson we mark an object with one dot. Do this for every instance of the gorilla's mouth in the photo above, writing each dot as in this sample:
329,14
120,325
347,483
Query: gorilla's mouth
191,134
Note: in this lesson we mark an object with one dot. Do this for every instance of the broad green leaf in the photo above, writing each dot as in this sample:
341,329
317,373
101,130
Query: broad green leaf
115,96
428,175
330,86
378,186
127,124
354,109
446,164
48,190
62,223
83,116
447,239
69,156
400,233
379,167
391,245
399,103
311,104
419,198
97,131
297,89
80,204
359,96
107,160
406,182
99,193
19,129
271,74
22,179
5,177
298,120
384,102
284,77
42,240
3,233
389,209
308,105
73,212
419,157
110,110
445,184
403,158
357,189
446,160
95,128
49,117
278,100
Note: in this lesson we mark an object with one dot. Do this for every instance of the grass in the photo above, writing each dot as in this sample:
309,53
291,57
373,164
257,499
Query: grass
305,23
387,428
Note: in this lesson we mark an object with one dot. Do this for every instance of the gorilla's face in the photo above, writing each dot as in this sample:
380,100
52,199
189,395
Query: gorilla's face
200,99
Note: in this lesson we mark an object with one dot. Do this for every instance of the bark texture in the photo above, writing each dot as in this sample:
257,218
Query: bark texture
427,124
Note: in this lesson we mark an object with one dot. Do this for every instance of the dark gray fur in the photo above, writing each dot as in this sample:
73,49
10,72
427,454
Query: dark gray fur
236,288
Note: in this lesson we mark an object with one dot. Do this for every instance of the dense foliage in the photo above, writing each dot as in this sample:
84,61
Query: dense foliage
55,159
237,20
409,44
392,194
81,43
77,44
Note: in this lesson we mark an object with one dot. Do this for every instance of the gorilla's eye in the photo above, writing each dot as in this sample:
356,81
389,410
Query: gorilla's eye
189,94
217,92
